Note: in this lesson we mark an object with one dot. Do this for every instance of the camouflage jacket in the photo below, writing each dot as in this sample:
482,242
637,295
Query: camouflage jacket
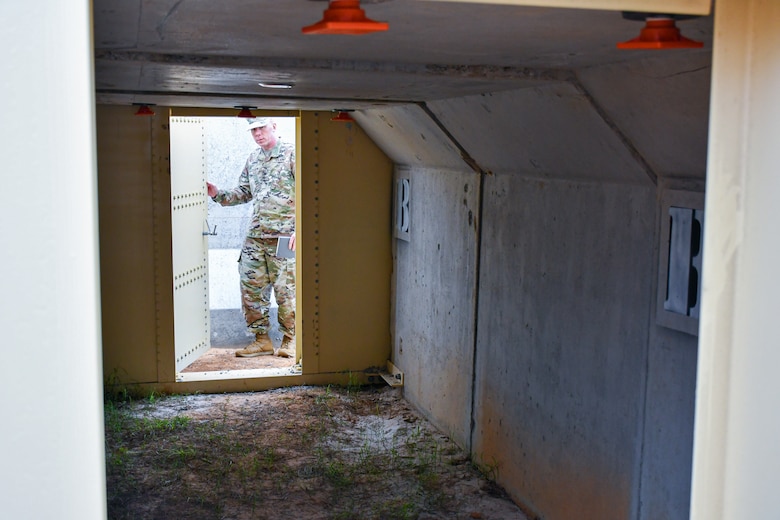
268,181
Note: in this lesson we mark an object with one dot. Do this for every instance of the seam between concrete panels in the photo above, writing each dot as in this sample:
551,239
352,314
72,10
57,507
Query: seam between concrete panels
464,154
602,113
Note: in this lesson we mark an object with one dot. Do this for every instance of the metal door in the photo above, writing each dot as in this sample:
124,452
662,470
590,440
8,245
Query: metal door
189,210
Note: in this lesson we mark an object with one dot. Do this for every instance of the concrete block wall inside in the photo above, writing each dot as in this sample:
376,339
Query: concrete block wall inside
529,331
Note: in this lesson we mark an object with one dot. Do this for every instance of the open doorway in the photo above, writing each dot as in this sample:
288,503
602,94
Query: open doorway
209,321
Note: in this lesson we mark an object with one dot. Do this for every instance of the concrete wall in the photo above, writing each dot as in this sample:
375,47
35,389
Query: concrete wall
529,332
562,346
435,297
669,419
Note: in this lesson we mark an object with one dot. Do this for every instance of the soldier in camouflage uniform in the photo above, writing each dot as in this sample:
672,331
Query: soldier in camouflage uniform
268,181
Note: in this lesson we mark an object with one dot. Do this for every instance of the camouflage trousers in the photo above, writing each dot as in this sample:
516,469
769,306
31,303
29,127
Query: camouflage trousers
259,270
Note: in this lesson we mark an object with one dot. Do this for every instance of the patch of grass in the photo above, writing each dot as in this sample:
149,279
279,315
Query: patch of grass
370,460
488,469
348,511
336,446
118,459
152,426
353,383
396,509
324,397
114,391
113,418
337,473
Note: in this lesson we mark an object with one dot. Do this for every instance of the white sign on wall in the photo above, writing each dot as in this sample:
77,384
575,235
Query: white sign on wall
402,213
680,261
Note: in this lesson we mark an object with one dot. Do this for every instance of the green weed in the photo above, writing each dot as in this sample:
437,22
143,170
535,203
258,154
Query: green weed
211,468
353,383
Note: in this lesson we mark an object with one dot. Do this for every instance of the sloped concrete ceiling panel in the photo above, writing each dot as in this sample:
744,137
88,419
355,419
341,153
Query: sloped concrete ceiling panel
551,131
410,137
661,104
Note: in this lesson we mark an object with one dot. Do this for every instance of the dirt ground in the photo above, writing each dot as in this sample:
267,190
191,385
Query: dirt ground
224,358
327,453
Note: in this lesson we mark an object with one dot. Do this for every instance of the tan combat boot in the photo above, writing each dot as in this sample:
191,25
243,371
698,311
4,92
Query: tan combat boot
262,346
287,350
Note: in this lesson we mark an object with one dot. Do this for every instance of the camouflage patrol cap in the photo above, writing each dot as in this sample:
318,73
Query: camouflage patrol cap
258,122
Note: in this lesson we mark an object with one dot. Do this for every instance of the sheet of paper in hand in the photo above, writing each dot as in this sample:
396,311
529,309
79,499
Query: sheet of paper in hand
283,248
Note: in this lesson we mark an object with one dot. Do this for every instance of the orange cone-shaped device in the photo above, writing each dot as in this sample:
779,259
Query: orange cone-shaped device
245,112
143,109
345,17
342,116
660,33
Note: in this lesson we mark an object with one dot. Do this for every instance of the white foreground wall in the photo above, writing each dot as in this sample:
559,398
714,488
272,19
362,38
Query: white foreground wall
50,378
737,454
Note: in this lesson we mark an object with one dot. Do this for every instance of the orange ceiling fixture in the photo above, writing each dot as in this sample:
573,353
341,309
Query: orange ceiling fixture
144,109
345,17
660,32
245,111
342,116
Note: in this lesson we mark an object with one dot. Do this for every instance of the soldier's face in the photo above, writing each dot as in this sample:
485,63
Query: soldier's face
265,136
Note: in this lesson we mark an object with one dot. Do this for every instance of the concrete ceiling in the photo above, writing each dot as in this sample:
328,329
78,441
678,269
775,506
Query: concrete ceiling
213,54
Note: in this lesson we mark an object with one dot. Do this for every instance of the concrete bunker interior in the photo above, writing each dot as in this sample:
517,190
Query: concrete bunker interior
524,307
